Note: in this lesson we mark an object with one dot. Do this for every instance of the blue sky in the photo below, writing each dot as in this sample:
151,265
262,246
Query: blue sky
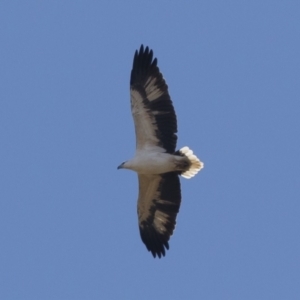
68,223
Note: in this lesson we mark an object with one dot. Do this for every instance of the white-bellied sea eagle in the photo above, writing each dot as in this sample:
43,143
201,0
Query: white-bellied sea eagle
156,161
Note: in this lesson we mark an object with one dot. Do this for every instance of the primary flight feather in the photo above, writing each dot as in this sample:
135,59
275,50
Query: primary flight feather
157,163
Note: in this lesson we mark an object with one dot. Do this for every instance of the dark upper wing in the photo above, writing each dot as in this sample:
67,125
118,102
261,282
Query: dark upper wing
158,205
152,109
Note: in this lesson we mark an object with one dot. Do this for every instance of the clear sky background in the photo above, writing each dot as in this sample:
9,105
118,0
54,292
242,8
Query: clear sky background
68,222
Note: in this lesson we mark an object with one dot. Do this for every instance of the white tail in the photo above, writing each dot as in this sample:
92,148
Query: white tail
196,164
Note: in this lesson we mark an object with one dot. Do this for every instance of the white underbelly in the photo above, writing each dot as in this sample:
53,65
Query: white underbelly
156,163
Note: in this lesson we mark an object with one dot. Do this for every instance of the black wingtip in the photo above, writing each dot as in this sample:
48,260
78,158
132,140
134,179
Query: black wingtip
162,252
143,65
154,242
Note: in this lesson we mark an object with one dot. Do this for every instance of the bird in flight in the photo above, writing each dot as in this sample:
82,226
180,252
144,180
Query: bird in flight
156,160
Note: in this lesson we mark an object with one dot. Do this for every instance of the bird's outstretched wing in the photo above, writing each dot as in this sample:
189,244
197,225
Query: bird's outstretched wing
152,109
158,205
